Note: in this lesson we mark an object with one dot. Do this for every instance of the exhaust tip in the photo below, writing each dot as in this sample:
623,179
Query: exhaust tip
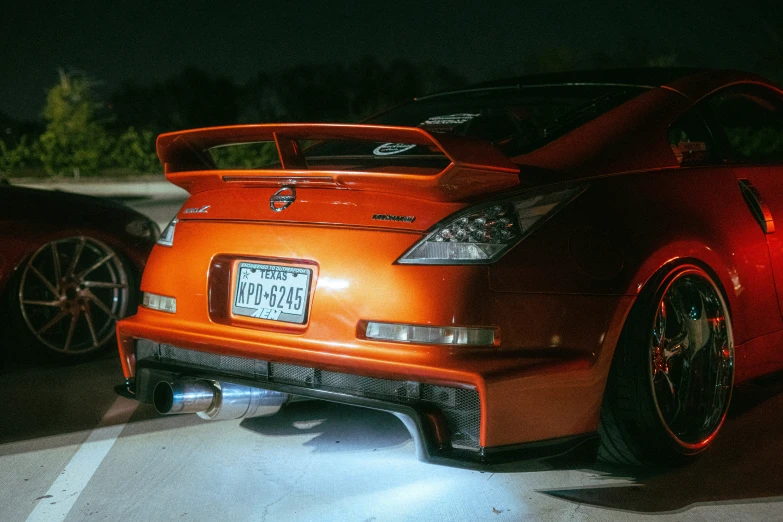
163,397
189,396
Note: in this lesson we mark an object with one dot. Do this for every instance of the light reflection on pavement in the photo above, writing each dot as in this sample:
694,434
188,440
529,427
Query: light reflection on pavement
321,461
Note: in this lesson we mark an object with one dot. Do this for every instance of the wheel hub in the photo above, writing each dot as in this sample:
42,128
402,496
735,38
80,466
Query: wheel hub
71,292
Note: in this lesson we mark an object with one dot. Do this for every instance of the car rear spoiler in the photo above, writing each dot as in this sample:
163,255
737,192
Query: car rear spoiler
475,166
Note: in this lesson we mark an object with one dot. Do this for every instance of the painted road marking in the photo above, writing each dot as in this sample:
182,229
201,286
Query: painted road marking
55,505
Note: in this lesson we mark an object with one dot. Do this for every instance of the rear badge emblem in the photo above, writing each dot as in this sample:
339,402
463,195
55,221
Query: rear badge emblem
197,210
390,217
282,199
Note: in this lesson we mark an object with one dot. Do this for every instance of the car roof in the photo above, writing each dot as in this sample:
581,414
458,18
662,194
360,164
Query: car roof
645,77
690,81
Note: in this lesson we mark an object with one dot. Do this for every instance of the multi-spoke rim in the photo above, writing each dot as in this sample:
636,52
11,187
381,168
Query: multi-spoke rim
71,294
691,359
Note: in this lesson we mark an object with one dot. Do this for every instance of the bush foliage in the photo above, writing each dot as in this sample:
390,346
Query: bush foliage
87,136
75,141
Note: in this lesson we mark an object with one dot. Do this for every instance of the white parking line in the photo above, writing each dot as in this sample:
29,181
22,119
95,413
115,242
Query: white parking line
55,505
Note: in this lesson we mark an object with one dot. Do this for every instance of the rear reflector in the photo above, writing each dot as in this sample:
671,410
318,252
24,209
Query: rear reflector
167,236
159,302
451,335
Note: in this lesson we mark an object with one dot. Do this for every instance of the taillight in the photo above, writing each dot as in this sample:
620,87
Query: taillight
483,233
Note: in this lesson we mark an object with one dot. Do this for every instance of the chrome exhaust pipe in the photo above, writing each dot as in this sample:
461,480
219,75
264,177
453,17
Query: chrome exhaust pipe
214,400
183,396
235,401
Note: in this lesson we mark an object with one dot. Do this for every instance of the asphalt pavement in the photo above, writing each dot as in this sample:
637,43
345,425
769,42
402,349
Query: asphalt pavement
71,449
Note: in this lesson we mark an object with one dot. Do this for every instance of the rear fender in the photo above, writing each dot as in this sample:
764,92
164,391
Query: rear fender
624,229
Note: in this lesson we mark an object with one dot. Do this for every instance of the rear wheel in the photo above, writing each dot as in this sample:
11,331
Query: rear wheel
69,295
672,375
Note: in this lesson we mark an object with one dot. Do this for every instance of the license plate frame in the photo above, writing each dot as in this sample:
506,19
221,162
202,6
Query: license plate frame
271,297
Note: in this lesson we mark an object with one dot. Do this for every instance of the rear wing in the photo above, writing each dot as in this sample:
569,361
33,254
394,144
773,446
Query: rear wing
474,165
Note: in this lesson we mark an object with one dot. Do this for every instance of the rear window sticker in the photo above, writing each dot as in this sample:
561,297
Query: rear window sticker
387,149
446,122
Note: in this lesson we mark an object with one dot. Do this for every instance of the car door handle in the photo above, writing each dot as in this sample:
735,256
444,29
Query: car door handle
757,206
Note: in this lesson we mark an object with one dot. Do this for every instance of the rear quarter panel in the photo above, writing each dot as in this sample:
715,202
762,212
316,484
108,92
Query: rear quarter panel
623,229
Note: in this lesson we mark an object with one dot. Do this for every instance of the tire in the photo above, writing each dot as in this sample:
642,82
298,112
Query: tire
68,297
672,375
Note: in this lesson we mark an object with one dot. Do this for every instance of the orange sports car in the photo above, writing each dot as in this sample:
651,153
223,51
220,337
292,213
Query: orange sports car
512,269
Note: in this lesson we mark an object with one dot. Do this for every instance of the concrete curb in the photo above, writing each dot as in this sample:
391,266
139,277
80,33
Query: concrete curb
151,189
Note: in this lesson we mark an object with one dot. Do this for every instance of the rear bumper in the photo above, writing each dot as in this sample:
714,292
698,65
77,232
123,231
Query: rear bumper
444,426
530,399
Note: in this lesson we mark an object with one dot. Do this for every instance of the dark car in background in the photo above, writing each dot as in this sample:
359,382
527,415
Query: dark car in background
69,269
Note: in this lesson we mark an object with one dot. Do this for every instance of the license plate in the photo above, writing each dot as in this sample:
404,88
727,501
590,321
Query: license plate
272,292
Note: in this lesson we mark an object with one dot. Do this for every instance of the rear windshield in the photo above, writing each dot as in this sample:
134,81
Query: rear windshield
516,119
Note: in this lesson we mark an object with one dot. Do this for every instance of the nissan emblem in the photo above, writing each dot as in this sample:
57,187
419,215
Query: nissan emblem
282,199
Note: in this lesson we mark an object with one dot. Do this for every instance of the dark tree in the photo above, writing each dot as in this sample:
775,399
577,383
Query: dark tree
310,92
194,98
303,92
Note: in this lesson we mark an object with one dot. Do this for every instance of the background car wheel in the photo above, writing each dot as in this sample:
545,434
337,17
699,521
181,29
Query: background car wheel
69,295
672,375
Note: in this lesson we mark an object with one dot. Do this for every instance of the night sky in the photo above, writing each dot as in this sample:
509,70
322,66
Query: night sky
147,40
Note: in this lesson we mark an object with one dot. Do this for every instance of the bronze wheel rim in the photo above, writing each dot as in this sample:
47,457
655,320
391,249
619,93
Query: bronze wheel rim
72,293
